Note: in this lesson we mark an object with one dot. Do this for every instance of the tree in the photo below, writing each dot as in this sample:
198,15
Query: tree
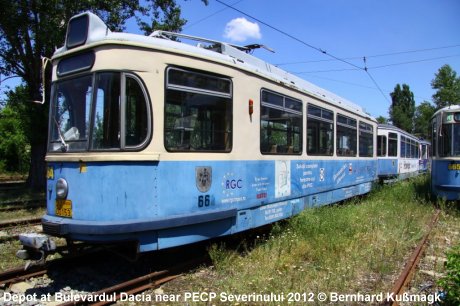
31,29
422,119
447,85
13,142
402,107
381,119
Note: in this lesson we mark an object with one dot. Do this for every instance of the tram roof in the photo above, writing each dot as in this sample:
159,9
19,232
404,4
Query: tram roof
385,126
447,108
98,32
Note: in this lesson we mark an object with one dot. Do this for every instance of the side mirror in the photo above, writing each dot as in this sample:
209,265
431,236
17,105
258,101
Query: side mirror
45,61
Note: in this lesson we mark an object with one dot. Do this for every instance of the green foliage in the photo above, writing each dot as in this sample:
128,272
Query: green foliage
381,119
451,282
402,107
422,120
14,150
447,86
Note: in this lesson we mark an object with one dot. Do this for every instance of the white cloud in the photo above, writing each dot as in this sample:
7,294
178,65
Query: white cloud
240,29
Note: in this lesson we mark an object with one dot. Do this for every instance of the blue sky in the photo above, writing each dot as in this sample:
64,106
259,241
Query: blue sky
346,29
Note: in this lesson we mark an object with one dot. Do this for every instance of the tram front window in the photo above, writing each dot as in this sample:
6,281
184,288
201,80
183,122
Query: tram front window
456,140
112,116
449,140
70,114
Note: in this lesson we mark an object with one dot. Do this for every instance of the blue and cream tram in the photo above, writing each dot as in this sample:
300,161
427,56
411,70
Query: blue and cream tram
398,153
445,169
164,143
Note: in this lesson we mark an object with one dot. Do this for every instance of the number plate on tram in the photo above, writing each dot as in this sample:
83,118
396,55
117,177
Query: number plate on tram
453,167
64,208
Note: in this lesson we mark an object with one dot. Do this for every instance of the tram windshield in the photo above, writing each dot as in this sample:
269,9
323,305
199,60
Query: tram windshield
112,116
449,140
70,114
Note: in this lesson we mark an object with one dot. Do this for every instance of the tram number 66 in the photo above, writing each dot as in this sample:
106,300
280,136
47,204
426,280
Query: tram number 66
204,200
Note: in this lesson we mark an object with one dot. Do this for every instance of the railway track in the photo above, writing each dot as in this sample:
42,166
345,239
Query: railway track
105,296
135,286
22,204
406,275
19,274
9,185
7,227
19,222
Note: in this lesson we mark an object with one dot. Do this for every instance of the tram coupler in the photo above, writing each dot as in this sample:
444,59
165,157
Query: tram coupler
35,248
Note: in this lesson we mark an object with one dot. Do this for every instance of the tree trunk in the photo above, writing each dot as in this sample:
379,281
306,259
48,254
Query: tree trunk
37,172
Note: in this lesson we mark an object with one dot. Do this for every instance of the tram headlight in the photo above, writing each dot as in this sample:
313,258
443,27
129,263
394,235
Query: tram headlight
62,188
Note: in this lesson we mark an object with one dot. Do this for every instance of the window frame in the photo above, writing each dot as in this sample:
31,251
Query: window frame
367,129
382,146
286,110
348,126
393,140
148,137
196,90
321,120
92,105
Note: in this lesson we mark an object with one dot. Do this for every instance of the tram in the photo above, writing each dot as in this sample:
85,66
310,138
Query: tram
398,153
445,170
159,142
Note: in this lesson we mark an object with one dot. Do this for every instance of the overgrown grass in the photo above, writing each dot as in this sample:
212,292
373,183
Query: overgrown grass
12,176
8,255
22,213
357,246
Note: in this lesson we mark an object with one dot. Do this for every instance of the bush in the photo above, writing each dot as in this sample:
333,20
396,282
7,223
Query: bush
14,150
451,282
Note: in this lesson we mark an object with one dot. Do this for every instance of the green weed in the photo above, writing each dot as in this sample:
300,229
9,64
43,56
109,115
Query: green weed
351,247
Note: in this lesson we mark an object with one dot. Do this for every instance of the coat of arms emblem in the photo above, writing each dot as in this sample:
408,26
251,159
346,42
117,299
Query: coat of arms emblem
203,178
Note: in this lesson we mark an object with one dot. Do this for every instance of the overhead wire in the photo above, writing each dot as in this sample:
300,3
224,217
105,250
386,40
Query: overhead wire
209,16
371,56
290,36
306,44
380,66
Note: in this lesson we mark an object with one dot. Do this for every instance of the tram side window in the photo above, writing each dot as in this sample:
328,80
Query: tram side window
366,140
118,126
136,125
198,111
106,129
393,144
381,145
280,124
346,136
403,146
320,131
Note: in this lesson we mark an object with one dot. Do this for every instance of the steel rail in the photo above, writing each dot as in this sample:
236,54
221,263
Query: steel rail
407,273
24,204
138,284
18,222
19,274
